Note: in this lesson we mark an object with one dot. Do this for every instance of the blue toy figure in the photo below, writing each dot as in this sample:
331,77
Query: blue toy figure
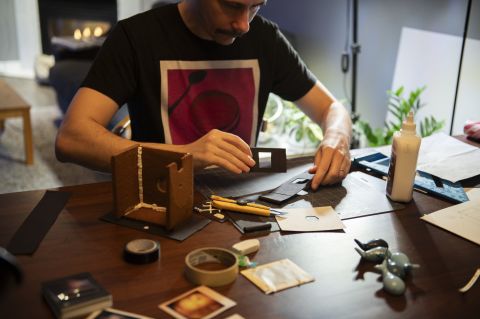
394,266
372,244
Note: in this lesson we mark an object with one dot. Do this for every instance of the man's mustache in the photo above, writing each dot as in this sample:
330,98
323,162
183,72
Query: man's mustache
230,33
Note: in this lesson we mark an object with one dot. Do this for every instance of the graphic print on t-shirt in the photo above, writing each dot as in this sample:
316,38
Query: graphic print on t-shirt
198,96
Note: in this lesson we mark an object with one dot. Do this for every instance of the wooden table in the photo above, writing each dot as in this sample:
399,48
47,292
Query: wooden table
343,287
12,105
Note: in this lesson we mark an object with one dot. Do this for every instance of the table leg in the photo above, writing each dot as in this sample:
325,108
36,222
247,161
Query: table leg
27,137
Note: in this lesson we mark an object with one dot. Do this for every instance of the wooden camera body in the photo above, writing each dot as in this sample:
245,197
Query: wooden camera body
153,185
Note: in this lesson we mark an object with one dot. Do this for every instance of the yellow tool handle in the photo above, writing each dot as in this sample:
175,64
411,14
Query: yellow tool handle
238,208
228,200
258,206
223,199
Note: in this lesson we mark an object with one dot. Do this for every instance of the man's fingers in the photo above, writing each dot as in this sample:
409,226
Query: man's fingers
222,149
237,142
331,166
322,163
237,154
345,167
337,169
233,145
228,159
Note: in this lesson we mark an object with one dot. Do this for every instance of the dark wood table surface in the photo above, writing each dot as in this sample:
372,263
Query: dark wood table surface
343,286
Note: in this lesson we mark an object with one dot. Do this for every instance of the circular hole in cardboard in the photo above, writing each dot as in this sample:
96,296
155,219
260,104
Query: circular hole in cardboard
162,185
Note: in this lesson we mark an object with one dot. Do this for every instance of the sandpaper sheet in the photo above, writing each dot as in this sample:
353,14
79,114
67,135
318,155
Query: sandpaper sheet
221,182
194,224
28,237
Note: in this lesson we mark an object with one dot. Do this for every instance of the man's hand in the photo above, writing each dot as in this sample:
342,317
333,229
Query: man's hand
332,160
222,149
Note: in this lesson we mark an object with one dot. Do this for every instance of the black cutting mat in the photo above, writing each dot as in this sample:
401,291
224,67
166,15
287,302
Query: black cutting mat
194,224
221,182
359,195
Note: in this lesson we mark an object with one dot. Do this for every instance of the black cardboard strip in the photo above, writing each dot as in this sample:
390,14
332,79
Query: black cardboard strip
34,228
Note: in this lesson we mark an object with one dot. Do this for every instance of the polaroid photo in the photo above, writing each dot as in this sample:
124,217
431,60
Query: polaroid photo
198,303
110,313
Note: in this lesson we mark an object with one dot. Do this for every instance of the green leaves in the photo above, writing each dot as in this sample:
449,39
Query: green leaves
292,121
399,107
430,126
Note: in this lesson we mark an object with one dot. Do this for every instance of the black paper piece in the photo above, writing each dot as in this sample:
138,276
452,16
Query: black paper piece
248,223
32,231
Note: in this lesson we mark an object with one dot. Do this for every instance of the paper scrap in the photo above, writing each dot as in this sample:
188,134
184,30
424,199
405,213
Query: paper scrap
310,219
440,154
462,219
277,275
474,194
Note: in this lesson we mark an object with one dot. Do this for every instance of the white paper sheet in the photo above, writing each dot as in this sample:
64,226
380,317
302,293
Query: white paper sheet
462,219
310,219
445,157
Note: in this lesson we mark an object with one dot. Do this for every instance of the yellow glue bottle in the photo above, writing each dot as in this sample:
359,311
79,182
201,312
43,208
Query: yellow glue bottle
403,162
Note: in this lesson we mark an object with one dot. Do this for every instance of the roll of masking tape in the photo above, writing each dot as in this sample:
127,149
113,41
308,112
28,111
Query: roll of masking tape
141,251
211,266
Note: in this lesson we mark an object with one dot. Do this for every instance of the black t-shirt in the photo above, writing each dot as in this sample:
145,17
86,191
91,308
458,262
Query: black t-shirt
178,86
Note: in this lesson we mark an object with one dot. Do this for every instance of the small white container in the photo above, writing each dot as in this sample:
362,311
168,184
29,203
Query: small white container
403,162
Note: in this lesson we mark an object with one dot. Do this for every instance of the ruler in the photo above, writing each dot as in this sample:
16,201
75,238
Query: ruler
431,184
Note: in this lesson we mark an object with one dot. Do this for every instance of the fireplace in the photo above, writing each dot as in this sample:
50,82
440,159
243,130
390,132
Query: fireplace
84,20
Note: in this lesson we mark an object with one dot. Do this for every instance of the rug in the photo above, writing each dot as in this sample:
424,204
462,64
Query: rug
46,172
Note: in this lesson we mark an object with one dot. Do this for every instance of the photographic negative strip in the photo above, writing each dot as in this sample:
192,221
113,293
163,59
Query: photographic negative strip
198,303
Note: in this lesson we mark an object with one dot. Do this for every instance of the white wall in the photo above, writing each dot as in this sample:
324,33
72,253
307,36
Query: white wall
8,32
432,59
28,40
468,100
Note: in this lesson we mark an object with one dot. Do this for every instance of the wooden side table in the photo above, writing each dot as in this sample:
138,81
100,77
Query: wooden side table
12,105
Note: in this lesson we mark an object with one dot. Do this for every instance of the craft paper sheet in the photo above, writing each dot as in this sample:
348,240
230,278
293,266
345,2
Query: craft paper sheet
474,194
310,219
462,219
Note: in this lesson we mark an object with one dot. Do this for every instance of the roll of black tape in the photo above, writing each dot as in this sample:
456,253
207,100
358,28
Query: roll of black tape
141,251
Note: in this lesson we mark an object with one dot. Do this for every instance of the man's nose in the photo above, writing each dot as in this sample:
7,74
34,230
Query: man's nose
242,23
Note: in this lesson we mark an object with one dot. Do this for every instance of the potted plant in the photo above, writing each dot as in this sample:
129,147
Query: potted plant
399,107
285,125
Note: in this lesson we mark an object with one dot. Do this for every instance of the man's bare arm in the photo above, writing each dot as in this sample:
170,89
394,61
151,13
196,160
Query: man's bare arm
332,159
84,139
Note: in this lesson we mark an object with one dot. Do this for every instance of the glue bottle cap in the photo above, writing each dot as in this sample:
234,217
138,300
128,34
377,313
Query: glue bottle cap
409,124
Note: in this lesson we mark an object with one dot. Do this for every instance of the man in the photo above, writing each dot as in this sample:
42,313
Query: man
196,77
